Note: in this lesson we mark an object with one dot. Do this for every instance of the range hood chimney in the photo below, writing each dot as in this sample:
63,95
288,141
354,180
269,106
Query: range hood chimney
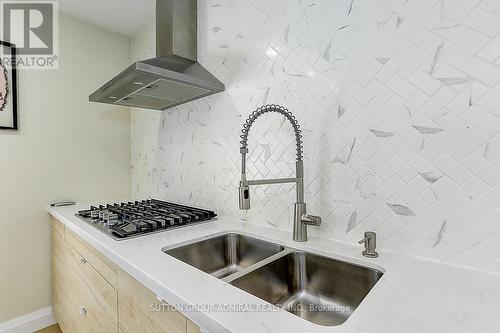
174,76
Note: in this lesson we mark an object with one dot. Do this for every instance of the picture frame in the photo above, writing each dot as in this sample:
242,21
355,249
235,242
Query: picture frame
8,87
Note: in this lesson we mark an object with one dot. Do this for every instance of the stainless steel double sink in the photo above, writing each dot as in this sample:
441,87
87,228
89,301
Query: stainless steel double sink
319,289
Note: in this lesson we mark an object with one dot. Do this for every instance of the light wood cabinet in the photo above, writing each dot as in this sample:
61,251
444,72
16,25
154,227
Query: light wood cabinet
91,294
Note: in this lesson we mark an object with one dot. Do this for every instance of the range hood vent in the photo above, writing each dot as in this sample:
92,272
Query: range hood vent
174,76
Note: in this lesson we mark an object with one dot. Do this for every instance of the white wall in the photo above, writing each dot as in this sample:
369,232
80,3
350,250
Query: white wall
67,148
399,105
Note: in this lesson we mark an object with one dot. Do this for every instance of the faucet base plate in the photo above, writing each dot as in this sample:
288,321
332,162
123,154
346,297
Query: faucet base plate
370,254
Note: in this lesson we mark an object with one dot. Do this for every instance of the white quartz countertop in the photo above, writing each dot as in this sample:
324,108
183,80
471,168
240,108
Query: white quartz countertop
413,295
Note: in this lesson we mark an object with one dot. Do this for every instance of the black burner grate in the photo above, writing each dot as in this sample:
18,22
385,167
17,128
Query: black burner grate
132,219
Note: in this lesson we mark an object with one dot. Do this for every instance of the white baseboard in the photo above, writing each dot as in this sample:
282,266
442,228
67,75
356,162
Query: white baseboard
30,322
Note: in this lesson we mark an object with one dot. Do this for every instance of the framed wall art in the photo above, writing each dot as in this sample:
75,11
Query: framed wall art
8,86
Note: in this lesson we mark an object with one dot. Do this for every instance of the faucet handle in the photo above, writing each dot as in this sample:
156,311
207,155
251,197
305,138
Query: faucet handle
311,220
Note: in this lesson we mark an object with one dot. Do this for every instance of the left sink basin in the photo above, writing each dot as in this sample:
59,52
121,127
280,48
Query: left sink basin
224,255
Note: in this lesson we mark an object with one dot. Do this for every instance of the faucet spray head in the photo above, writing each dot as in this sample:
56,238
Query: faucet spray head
244,196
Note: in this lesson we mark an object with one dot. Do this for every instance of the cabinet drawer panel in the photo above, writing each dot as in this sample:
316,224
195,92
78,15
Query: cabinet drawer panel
137,308
105,297
137,318
133,319
71,306
72,292
70,317
93,257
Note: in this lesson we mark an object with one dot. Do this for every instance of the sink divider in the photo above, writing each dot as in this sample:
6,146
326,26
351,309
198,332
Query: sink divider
259,264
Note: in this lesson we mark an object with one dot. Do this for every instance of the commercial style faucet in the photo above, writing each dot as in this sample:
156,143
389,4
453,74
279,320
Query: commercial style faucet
301,219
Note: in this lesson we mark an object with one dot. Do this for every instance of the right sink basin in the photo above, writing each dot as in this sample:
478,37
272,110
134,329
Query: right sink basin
322,290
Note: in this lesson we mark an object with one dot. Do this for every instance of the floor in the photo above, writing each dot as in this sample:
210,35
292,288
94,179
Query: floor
51,329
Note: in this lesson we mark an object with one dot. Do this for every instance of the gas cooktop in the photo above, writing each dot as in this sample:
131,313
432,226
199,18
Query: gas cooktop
132,219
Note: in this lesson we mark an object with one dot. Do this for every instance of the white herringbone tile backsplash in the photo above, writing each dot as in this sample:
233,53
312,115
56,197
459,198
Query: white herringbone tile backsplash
399,103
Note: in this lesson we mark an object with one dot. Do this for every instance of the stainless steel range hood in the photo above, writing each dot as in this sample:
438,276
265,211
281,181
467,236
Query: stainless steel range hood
173,77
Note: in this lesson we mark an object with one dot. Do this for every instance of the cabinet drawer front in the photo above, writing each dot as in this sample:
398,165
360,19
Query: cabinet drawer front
105,297
78,286
103,266
137,309
73,316
71,308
